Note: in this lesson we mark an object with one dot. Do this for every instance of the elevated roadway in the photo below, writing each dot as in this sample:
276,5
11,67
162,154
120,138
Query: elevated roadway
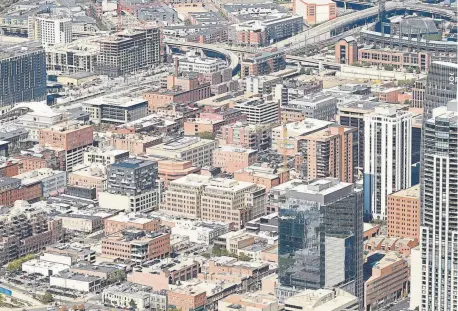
324,31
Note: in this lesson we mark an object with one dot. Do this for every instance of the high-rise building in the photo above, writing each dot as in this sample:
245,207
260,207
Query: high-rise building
441,84
439,205
387,162
23,74
128,51
321,237
50,30
329,152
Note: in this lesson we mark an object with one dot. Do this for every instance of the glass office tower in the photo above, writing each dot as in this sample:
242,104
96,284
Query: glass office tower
321,237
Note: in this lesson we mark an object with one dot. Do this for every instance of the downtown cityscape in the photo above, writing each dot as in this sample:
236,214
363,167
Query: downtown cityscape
228,155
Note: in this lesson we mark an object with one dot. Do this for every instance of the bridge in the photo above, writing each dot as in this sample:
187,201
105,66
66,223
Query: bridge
231,53
324,31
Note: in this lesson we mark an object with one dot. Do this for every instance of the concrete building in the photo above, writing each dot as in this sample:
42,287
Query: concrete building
69,136
118,56
295,89
328,152
137,245
131,177
387,164
399,60
81,223
418,93
241,12
335,213
259,111
263,63
315,11
346,51
67,254
160,278
89,177
23,69
117,110
322,300
274,28
104,156
262,175
387,278
261,84
169,170
27,231
244,200
77,282
296,130
439,206
135,143
245,135
231,159
211,122
144,298
247,302
50,30
198,151
124,221
145,201
52,181
316,106
45,268
403,213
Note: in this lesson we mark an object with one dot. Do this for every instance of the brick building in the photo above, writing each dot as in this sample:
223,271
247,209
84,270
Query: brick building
403,213
231,159
263,63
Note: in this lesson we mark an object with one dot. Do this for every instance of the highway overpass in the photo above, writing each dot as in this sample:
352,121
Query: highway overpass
323,31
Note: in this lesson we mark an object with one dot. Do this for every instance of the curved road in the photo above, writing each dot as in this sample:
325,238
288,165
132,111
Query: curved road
323,31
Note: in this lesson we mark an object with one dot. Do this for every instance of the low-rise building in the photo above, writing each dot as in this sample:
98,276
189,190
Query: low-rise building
231,159
322,300
317,106
251,302
137,245
169,170
387,277
116,109
160,278
43,267
259,110
212,198
108,273
124,221
142,202
295,89
81,223
104,156
93,176
198,151
52,181
211,122
12,190
144,298
397,59
262,174
68,254
76,282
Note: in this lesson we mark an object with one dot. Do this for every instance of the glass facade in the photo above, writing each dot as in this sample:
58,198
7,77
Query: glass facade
441,84
320,241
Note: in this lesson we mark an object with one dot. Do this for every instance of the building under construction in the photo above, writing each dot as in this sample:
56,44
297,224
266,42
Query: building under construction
129,51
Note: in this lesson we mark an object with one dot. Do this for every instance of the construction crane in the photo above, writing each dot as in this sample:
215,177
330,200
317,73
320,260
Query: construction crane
119,15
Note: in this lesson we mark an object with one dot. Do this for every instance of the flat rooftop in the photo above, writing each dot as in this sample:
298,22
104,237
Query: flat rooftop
130,218
15,50
124,102
412,192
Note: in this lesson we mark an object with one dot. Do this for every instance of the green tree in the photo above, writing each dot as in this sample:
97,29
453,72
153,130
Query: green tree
206,135
16,264
388,67
2,299
47,298
206,255
132,304
174,309
244,257
187,22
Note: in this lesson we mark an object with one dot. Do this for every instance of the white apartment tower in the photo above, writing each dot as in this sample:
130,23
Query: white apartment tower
50,30
387,150
439,195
